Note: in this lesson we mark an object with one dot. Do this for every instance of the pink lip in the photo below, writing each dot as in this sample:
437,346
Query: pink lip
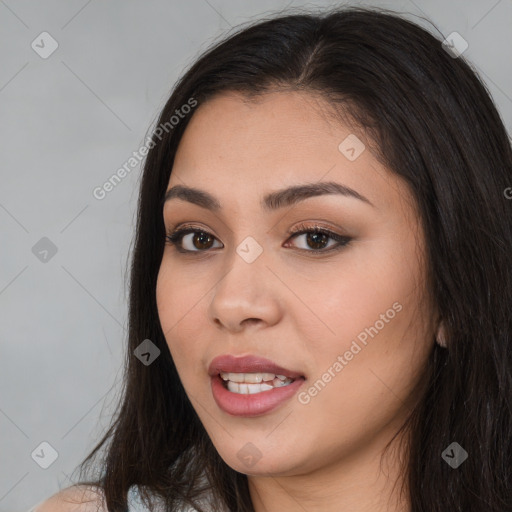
253,404
248,364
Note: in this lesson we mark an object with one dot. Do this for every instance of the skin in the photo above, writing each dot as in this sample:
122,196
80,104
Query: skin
296,309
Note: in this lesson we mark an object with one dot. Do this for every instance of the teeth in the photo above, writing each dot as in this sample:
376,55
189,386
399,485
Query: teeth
250,383
250,378
250,389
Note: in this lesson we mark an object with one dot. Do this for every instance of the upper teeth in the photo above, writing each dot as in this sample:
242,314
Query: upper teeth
251,378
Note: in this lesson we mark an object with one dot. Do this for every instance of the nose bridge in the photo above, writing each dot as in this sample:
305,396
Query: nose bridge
245,291
246,272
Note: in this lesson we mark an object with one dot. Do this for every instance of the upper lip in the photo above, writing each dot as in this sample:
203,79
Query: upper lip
248,364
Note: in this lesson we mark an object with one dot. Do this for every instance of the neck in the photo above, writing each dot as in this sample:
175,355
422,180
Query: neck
365,481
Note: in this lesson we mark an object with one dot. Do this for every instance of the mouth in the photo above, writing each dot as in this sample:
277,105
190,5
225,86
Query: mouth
252,383
245,399
250,369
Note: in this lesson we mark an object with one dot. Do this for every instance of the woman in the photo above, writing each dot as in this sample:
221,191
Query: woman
321,281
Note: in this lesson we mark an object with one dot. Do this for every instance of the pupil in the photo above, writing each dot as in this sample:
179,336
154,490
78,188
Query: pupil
201,237
315,236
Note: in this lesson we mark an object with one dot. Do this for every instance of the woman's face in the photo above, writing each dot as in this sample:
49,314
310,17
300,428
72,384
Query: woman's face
348,318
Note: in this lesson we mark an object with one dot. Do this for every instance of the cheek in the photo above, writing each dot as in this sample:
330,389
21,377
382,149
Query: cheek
179,312
372,316
176,298
369,287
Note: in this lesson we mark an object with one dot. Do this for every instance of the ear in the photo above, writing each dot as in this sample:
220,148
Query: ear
441,335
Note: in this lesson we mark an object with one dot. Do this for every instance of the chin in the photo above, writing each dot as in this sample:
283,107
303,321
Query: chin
248,462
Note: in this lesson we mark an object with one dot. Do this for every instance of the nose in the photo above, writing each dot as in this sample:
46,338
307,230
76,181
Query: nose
248,294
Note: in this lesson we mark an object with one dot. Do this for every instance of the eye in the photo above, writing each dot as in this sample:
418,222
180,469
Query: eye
317,238
201,241
200,237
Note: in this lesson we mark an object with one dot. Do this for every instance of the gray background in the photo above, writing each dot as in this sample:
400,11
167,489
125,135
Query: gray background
68,122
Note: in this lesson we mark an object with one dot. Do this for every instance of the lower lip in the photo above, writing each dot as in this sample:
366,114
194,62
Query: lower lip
256,404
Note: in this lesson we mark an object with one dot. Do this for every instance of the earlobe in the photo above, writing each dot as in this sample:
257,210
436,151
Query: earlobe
441,335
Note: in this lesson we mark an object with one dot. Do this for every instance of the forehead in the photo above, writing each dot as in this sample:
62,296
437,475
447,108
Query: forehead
247,147
279,122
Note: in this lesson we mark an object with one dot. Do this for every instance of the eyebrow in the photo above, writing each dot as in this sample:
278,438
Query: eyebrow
272,201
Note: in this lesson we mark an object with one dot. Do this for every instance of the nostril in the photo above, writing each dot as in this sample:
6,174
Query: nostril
251,321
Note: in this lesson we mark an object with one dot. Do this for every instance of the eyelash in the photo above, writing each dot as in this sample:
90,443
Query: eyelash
175,237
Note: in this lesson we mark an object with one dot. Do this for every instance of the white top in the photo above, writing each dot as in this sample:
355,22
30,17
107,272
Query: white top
135,503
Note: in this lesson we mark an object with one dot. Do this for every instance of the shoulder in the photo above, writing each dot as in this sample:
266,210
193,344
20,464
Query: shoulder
78,498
